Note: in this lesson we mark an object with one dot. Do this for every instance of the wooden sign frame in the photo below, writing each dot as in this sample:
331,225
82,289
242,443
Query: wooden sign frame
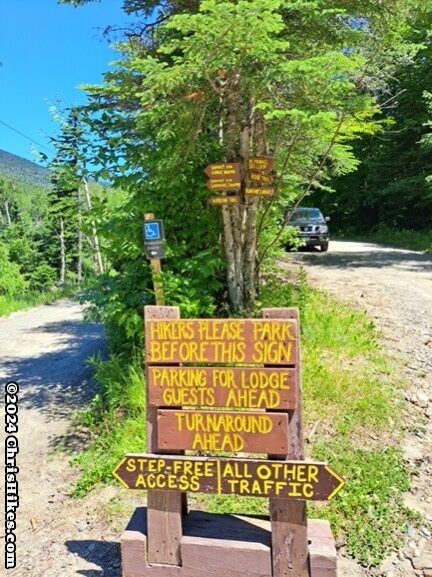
156,546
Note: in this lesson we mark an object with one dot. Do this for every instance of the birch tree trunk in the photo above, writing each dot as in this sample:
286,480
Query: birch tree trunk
80,238
231,215
99,268
245,135
6,207
62,252
252,205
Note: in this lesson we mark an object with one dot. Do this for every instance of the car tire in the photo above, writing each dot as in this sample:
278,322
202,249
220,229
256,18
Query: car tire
324,247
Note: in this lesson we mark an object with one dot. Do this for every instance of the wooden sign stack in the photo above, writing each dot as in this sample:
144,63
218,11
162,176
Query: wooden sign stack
230,386
226,177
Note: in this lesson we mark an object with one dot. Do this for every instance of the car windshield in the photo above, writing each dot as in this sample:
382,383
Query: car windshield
307,213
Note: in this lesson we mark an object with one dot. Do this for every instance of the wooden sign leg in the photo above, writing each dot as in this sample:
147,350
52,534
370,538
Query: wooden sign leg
164,508
288,518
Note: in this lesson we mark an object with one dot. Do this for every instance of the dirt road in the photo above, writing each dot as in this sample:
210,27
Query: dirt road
44,350
394,287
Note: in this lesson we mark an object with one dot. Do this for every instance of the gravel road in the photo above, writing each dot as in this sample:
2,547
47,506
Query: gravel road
394,287
44,350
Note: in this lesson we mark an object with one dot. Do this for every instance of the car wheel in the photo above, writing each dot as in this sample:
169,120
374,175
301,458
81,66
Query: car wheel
324,247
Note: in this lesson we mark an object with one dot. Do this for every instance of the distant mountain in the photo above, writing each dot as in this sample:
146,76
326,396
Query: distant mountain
13,166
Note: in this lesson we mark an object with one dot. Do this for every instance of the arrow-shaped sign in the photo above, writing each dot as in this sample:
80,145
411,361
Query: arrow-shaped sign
261,163
217,200
260,178
259,478
223,170
222,184
259,191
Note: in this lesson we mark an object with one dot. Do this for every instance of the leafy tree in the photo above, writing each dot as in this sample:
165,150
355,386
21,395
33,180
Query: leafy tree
391,186
12,283
295,79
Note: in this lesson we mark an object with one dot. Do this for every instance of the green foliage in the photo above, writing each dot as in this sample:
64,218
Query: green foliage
370,511
411,239
29,299
311,69
12,283
391,187
116,417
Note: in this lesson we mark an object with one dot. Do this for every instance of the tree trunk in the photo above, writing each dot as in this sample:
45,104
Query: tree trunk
232,215
99,268
252,205
80,238
6,207
62,252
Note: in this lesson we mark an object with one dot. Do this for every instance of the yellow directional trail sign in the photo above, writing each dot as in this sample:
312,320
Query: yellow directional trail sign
296,480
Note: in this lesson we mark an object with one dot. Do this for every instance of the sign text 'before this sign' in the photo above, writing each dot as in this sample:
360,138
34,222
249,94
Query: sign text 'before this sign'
249,341
223,387
245,477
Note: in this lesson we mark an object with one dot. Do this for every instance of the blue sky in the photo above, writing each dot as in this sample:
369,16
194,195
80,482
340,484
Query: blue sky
47,50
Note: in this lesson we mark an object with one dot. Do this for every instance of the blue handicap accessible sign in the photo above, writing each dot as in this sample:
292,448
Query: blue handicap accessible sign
152,230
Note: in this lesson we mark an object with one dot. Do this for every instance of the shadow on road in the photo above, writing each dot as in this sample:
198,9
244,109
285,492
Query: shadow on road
105,554
57,382
368,256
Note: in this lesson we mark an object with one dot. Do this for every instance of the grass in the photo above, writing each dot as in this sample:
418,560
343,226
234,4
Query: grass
420,240
11,304
351,403
115,417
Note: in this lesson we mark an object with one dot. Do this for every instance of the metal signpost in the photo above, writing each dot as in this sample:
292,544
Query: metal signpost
153,239
153,243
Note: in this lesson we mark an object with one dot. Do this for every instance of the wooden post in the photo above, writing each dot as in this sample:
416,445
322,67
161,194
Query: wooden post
156,267
288,518
164,508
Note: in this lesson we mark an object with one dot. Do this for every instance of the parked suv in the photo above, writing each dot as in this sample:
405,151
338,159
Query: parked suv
311,227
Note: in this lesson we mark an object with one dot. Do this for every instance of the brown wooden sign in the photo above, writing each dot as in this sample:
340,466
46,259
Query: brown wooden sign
260,164
260,478
252,341
259,178
223,176
218,200
251,432
223,184
224,387
259,191
223,170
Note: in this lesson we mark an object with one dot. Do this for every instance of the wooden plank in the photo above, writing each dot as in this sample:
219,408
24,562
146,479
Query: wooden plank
244,477
261,163
164,508
220,200
225,341
288,518
253,432
259,178
223,184
247,388
223,170
259,191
